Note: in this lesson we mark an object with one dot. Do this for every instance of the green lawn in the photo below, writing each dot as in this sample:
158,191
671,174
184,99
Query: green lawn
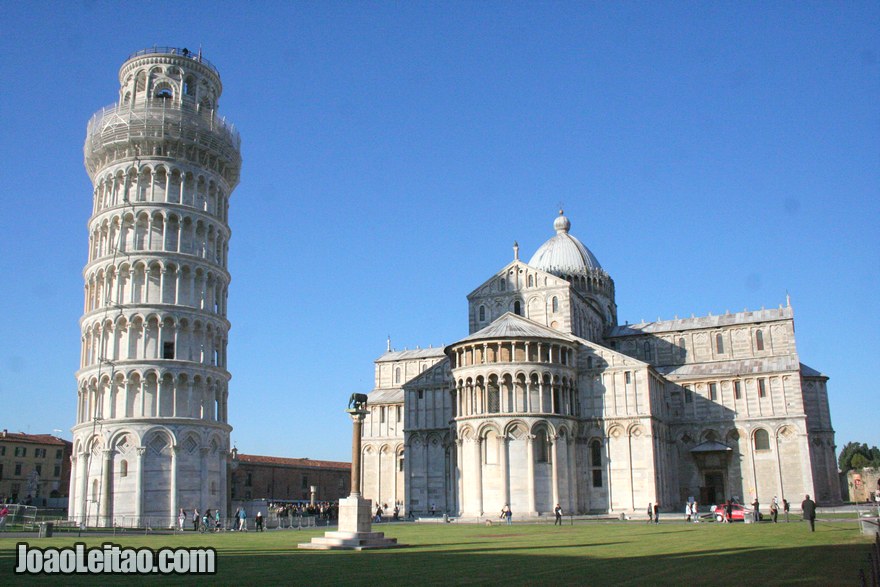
588,553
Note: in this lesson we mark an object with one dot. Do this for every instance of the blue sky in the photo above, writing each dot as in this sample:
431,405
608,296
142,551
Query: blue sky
713,155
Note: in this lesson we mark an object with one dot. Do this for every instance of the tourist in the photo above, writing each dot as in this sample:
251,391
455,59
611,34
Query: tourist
808,506
236,517
396,513
774,509
378,513
217,520
259,520
756,514
508,514
242,520
785,508
695,510
657,512
687,511
728,511
206,520
557,511
433,510
195,519
181,518
650,512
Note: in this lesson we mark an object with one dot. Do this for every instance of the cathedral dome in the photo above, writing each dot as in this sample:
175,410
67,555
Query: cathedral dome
564,254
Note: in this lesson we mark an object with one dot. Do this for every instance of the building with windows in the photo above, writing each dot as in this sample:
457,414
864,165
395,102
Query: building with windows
549,400
34,468
289,479
151,432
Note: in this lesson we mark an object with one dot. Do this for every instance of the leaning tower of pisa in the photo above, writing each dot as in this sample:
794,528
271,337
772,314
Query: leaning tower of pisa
151,433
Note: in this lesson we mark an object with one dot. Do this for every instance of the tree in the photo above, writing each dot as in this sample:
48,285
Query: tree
857,456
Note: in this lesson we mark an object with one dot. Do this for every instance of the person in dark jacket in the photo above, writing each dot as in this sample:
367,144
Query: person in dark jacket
809,508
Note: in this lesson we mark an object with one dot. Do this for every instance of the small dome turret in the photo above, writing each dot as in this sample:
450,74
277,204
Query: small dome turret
563,254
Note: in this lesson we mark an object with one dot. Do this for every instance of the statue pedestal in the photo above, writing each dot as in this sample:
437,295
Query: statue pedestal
355,529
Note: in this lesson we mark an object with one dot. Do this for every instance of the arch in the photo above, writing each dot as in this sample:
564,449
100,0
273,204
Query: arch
759,340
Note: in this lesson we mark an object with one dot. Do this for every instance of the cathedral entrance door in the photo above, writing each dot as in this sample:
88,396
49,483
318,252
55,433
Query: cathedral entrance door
712,491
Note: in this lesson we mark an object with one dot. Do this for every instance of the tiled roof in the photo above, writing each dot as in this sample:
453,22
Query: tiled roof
511,325
33,438
428,353
702,322
385,396
287,462
731,368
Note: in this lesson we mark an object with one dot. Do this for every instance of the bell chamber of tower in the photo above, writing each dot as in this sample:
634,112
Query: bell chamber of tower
151,433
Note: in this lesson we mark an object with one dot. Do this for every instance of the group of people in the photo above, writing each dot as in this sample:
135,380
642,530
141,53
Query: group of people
654,512
692,512
208,521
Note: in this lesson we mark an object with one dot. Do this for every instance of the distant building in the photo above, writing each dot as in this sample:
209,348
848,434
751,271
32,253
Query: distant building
284,479
863,484
34,468
549,400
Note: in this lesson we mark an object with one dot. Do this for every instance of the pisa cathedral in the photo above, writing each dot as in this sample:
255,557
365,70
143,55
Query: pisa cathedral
548,400
151,433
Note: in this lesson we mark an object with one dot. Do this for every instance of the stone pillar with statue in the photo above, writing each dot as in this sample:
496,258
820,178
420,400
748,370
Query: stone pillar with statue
355,531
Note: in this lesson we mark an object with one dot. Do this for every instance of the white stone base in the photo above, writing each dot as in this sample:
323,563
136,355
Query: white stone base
355,529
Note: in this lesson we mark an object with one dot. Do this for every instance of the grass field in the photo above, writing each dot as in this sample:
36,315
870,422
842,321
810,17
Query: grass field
526,554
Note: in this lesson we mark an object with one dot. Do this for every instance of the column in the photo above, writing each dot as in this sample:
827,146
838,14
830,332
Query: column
71,499
505,474
459,469
378,477
478,474
555,471
357,417
572,475
203,485
530,472
104,511
139,486
83,492
172,497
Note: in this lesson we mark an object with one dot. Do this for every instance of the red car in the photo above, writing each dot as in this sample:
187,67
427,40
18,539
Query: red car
738,513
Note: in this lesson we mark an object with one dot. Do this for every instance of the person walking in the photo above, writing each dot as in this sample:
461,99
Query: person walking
242,520
557,511
650,512
195,519
756,511
259,520
785,508
509,515
181,519
774,509
656,512
695,511
808,506
217,520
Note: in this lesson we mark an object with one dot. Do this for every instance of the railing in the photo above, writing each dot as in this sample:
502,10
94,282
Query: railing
183,52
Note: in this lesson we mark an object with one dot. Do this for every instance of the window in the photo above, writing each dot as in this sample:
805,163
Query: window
2,451
421,393
39,469
20,451
399,413
249,480
713,391
596,453
58,453
305,482
517,308
399,463
482,313
597,477
688,394
40,453
647,350
494,399
531,281
554,304
382,415
627,377
719,344
737,390
682,350
397,375
18,469
167,350
759,340
123,469
762,439
762,387
589,362
57,471
542,448
501,284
